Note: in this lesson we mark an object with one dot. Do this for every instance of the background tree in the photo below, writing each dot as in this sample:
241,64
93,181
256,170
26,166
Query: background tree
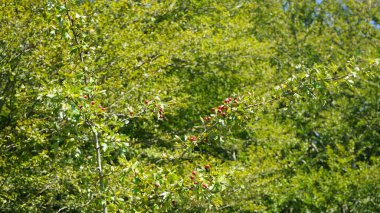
191,106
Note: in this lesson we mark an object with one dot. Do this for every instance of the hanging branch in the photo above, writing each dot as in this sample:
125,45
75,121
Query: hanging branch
99,159
96,138
99,162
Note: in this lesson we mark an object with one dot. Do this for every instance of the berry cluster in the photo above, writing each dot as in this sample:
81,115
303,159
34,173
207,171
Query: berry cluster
92,104
222,110
193,177
157,107
193,138
207,119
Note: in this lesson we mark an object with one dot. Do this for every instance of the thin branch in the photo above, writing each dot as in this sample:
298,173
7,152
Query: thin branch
150,60
263,103
72,25
63,208
336,77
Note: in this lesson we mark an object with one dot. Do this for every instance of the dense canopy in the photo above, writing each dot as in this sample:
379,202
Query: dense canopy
189,106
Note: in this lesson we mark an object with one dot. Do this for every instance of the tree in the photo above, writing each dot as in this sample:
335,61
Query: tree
189,106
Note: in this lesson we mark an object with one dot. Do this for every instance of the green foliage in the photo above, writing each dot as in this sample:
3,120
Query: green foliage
189,106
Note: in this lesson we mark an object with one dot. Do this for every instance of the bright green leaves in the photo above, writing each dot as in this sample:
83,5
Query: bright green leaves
301,135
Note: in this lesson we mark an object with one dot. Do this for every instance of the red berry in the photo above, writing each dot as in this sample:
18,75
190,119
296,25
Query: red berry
193,138
194,172
104,109
92,103
85,96
195,182
80,106
227,100
207,167
205,186
131,113
146,102
192,177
